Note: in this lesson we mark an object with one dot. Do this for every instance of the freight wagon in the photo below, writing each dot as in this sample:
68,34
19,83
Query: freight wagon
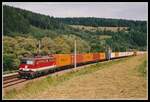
79,59
62,59
88,57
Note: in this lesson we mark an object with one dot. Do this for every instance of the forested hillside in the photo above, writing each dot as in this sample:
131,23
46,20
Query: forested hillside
22,30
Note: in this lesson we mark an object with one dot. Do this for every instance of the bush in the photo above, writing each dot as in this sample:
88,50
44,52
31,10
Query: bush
10,62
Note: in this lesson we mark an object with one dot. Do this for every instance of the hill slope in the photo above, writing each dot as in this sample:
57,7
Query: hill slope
23,29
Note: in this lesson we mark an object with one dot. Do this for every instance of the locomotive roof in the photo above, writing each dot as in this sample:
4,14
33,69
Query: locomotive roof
35,58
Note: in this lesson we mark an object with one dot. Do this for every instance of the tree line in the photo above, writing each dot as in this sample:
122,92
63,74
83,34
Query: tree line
103,22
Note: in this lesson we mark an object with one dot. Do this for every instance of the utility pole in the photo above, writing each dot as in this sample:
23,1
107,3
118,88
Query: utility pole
89,49
108,52
75,62
39,48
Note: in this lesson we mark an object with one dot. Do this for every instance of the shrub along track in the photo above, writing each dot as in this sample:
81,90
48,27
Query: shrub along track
116,80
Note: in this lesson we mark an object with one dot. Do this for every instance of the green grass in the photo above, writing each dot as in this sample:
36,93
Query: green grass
35,88
143,68
101,37
8,72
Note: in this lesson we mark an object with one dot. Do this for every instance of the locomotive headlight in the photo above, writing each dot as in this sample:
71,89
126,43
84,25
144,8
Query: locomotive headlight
20,68
26,66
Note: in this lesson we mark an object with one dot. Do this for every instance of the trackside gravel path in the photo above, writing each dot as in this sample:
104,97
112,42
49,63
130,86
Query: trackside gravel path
121,80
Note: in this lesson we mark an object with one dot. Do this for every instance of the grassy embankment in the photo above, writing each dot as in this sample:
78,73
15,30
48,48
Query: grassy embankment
143,68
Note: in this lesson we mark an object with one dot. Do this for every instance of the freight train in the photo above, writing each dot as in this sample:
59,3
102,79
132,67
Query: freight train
36,66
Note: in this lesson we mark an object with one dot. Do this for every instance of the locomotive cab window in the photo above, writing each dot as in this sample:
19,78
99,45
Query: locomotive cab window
27,61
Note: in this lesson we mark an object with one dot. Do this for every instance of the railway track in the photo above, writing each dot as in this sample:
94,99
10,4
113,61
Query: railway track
14,82
10,76
11,79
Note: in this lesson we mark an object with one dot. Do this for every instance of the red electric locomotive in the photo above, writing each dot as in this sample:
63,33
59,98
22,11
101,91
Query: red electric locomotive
36,66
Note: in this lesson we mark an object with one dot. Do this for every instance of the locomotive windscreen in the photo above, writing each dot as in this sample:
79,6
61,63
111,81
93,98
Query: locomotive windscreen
27,61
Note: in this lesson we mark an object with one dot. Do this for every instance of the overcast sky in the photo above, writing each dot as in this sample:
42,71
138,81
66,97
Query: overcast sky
118,10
